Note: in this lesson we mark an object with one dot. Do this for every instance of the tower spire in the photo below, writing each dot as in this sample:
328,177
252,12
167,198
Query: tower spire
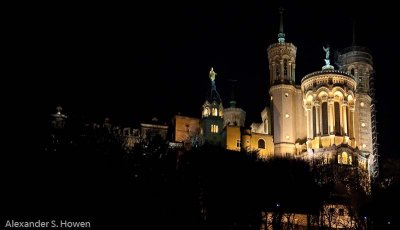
281,34
354,33
232,102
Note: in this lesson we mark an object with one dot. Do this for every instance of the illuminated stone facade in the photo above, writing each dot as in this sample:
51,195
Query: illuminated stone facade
329,116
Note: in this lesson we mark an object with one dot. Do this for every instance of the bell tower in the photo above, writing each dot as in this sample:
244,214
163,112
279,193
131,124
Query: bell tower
212,115
282,65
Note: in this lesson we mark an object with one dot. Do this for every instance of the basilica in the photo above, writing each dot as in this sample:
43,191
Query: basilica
329,116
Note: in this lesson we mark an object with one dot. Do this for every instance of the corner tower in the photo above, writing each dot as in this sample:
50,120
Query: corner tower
282,65
357,61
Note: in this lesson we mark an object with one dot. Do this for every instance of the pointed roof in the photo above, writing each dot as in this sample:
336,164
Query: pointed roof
281,34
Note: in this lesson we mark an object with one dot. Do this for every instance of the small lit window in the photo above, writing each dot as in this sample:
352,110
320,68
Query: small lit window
287,137
214,128
362,104
364,146
238,143
287,115
286,95
363,124
215,112
261,144
344,158
206,112
271,98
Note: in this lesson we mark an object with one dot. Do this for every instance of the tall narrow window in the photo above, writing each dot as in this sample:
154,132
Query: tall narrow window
215,112
344,158
324,109
238,143
261,144
278,72
314,115
337,118
285,71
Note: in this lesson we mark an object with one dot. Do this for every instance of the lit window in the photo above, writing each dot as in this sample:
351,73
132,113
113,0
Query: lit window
363,124
287,115
364,146
271,98
362,104
344,158
238,143
206,112
214,128
215,112
287,137
261,144
286,95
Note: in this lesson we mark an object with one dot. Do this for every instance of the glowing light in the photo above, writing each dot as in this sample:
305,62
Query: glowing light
364,146
287,115
362,104
287,137
286,95
363,124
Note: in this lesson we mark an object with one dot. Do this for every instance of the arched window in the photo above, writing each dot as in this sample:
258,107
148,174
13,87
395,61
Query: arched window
324,108
278,72
285,68
215,112
344,158
206,112
261,144
337,118
352,71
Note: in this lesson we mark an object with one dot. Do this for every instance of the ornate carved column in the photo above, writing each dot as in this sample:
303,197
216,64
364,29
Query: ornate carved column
282,71
351,120
317,117
293,72
309,121
331,116
344,115
289,68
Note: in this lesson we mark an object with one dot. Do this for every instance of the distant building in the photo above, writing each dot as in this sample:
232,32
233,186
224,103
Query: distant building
153,129
185,130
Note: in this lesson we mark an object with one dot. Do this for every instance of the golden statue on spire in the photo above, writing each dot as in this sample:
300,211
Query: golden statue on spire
212,74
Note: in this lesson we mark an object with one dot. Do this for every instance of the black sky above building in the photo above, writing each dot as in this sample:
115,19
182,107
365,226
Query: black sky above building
133,62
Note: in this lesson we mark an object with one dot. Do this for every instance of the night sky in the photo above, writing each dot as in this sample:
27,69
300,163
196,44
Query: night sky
133,62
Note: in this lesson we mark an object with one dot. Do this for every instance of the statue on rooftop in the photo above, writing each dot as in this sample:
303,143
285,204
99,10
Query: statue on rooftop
212,74
327,61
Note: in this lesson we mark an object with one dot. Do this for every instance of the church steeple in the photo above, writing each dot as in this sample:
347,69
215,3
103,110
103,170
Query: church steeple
212,114
282,59
281,34
213,104
354,33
